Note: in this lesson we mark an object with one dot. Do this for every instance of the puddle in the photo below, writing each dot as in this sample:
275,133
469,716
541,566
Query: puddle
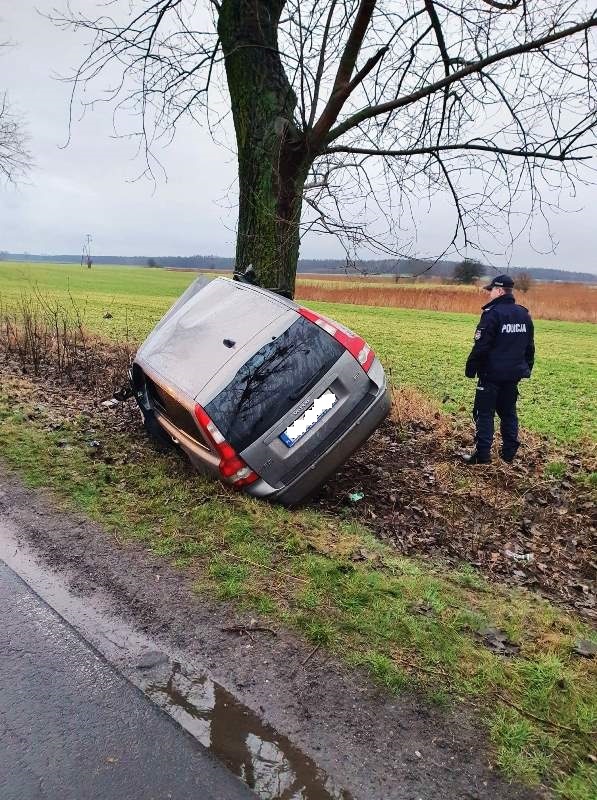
266,761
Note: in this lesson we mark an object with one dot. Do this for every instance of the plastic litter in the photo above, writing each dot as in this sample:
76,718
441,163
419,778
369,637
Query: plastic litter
519,556
354,497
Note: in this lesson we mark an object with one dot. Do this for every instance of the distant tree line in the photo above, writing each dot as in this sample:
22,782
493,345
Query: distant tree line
400,268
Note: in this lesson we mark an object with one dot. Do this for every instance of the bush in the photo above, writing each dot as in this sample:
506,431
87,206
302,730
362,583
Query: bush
468,271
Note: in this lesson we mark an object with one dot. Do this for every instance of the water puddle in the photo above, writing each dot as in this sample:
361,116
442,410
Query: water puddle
266,761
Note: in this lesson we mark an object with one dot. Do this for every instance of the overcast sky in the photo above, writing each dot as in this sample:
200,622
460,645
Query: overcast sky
89,186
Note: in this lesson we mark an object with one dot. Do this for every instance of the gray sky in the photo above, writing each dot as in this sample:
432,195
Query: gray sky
89,187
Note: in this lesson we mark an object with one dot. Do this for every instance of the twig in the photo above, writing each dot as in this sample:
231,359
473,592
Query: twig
419,668
542,720
248,629
507,701
304,661
264,566
310,655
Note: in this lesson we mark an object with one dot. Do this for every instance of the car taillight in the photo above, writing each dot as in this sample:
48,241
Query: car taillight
355,345
232,468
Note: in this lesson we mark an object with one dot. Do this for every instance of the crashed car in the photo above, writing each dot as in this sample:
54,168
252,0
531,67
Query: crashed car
266,395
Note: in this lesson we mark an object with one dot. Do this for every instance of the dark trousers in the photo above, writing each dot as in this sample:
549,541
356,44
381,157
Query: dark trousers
489,398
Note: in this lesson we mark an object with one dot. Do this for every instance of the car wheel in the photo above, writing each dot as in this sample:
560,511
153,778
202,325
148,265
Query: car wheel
160,439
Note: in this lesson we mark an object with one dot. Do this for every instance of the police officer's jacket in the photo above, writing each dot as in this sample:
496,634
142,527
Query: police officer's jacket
504,348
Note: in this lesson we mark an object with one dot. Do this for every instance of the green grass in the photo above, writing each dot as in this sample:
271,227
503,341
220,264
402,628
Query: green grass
410,624
135,296
424,349
428,349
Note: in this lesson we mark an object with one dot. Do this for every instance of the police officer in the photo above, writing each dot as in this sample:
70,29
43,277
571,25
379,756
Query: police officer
503,353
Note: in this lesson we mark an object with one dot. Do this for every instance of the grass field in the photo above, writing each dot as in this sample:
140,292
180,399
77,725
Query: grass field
413,624
425,349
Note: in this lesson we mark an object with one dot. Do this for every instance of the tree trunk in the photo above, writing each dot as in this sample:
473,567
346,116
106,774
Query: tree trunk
273,161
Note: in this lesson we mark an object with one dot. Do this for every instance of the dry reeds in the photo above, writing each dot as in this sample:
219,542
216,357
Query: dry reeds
575,302
411,407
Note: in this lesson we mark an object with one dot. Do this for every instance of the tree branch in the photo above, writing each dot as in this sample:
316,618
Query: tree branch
441,43
434,149
469,69
342,84
439,34
321,63
503,6
15,159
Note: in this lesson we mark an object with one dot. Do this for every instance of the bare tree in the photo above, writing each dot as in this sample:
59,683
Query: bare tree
347,112
15,159
523,281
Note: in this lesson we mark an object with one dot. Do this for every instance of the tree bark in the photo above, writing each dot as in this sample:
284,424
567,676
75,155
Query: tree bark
273,160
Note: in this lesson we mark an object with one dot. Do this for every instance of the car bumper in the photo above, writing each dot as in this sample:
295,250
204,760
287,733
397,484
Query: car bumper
308,481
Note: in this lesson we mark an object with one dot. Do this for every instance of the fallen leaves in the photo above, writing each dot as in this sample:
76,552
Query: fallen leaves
498,641
511,522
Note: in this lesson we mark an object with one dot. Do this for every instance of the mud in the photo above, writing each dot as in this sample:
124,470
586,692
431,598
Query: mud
306,713
252,750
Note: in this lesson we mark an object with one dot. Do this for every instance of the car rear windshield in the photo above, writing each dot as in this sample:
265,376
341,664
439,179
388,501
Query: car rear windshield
272,382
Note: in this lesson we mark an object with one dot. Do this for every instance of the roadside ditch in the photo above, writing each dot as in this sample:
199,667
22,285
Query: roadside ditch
433,633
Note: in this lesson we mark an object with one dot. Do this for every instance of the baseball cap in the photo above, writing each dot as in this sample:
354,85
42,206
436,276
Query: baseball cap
504,281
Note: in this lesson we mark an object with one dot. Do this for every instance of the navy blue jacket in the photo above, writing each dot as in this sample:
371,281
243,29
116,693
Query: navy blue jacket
504,348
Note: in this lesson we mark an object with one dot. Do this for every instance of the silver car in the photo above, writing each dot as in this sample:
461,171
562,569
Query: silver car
269,396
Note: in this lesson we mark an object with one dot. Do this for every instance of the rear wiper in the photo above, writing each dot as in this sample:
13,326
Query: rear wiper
296,395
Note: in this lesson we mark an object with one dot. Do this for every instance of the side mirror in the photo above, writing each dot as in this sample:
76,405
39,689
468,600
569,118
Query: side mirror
248,276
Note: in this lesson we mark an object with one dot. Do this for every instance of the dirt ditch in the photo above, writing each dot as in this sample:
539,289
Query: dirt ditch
514,523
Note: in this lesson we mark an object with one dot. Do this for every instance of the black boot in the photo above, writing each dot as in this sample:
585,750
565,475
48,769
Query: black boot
476,458
507,457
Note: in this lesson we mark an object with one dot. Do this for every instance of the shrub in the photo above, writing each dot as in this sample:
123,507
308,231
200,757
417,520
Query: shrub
468,271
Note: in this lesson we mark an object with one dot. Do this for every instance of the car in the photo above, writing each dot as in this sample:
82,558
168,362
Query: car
257,390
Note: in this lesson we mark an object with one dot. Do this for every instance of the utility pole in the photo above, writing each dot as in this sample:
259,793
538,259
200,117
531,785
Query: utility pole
86,256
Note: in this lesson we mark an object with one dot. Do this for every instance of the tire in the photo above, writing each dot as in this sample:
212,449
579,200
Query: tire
160,439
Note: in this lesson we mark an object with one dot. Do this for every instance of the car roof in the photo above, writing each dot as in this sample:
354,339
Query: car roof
209,326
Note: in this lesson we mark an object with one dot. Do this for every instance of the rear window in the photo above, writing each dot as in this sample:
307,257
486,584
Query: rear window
272,382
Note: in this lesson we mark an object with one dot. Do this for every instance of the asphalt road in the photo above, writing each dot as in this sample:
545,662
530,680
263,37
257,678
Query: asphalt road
71,728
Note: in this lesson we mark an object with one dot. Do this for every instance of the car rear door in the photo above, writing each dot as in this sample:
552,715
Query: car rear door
290,401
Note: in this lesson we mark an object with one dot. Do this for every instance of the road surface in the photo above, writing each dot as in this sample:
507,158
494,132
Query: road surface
71,728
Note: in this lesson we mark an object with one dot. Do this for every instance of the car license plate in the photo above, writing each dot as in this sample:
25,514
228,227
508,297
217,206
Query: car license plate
312,415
